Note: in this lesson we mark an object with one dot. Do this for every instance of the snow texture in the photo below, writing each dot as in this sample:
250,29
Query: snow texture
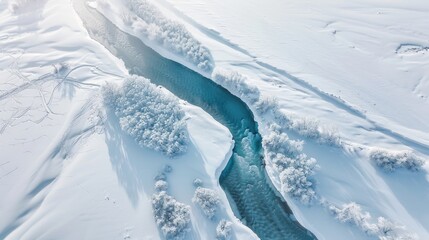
171,35
208,200
153,118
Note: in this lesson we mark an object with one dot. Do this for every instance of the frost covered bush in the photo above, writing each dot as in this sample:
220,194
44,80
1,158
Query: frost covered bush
237,84
161,185
172,35
152,118
382,228
392,160
171,216
265,105
207,200
224,230
295,168
197,182
310,128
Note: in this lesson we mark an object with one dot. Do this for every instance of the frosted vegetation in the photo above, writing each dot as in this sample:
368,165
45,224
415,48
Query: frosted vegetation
392,160
208,201
171,216
197,182
295,168
382,228
224,230
236,83
309,128
146,113
171,35
306,127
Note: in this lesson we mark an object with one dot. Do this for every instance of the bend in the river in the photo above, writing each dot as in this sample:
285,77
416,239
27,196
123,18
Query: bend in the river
244,179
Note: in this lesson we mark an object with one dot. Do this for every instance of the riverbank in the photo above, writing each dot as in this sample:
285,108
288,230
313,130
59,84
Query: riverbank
66,175
319,94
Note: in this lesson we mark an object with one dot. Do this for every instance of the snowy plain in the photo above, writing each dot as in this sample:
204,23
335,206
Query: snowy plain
356,68
68,171
359,68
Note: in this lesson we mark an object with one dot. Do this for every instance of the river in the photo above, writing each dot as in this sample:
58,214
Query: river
244,179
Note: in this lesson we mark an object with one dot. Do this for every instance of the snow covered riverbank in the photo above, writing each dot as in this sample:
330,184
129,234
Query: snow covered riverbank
355,71
344,68
67,170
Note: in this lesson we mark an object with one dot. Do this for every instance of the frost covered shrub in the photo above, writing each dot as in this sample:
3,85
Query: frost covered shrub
197,182
168,169
152,118
171,216
172,35
265,105
295,168
383,228
392,160
61,69
161,185
352,213
224,230
310,128
237,84
207,200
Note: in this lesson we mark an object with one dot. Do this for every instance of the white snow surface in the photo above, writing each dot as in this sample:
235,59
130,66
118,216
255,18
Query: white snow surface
358,68
67,170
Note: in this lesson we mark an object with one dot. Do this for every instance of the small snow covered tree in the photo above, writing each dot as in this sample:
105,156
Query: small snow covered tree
383,228
224,230
295,168
265,105
208,200
352,213
171,216
161,185
197,182
171,35
392,160
237,84
146,113
309,128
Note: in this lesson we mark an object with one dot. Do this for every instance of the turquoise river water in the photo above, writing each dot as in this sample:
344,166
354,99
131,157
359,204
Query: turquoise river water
244,180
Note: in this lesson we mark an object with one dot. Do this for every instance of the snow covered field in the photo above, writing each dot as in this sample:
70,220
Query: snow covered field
358,68
67,169
356,72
